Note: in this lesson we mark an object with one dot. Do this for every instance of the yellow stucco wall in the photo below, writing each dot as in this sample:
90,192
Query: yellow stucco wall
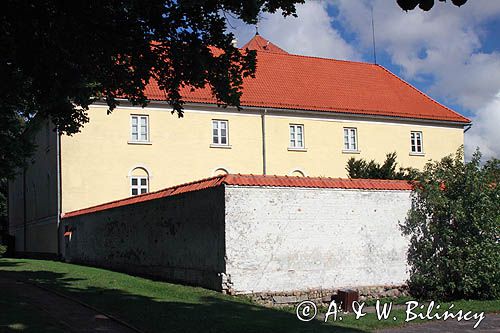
324,141
96,162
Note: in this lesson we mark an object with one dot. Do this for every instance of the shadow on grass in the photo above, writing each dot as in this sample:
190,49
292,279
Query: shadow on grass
4,263
216,313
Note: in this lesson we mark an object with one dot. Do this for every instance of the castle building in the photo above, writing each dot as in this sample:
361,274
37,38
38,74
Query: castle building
301,116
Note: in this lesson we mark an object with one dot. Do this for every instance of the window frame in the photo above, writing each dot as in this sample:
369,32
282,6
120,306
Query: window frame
351,146
139,132
414,146
139,187
219,133
295,139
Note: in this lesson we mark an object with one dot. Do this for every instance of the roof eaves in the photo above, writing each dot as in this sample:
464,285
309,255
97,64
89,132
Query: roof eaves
354,112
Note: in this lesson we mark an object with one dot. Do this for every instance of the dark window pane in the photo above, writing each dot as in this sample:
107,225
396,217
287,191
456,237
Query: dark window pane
143,181
134,191
134,181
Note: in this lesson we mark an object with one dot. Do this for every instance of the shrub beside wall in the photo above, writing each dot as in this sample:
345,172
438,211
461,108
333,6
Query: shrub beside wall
454,226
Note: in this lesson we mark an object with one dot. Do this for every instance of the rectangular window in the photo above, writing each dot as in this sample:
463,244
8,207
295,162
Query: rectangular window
350,139
220,132
140,128
138,185
296,136
416,142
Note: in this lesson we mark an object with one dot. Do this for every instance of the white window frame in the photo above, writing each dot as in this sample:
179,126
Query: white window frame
296,142
139,187
416,143
350,140
217,132
139,131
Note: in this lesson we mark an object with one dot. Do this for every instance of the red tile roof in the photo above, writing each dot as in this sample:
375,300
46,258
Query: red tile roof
252,180
287,81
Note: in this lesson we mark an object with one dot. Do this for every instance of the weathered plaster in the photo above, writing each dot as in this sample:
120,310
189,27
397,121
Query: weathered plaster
280,239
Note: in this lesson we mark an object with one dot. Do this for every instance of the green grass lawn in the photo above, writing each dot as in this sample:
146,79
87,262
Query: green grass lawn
155,306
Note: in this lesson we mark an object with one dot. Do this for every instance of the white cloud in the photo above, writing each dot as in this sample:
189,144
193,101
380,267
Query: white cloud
443,44
485,132
311,33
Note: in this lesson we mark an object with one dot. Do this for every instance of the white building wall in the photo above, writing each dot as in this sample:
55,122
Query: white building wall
283,239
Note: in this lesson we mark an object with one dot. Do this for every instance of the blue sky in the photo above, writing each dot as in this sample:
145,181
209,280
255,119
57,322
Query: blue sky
450,53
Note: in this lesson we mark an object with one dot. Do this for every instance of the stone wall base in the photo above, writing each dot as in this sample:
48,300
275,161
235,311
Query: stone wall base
325,296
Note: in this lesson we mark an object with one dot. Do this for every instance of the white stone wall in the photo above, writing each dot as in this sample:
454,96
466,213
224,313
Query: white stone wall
282,239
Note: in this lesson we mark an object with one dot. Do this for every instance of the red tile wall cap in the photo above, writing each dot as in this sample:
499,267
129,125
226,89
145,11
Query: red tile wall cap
252,180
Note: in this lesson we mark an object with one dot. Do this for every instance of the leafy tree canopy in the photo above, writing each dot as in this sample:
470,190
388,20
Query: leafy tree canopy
454,230
387,170
58,57
424,4
3,199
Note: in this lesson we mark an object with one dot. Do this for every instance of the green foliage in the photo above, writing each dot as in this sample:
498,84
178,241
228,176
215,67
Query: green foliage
388,170
454,229
425,5
3,249
3,206
58,57
3,197
14,146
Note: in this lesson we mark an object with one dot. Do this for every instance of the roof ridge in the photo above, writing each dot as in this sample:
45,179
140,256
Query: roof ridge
317,57
421,93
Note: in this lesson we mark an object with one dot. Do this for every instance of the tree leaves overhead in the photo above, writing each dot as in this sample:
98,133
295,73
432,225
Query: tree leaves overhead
66,54
58,57
425,5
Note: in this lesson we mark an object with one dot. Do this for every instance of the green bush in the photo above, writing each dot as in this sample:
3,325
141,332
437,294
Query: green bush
387,170
454,230
3,249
